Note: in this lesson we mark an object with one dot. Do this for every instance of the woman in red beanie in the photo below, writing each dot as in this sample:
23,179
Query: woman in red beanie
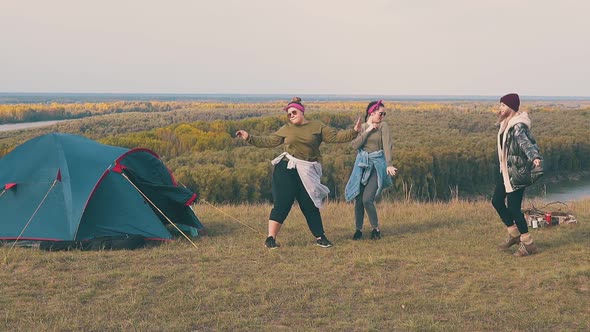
297,171
518,153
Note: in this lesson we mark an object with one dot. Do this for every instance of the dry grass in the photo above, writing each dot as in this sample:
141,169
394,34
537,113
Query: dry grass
436,269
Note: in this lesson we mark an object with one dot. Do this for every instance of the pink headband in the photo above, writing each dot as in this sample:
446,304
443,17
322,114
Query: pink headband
374,107
296,105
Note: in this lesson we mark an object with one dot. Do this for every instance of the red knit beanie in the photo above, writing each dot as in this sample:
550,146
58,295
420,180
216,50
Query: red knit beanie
511,100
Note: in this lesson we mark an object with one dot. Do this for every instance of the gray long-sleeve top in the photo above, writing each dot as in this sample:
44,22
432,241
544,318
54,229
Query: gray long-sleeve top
375,140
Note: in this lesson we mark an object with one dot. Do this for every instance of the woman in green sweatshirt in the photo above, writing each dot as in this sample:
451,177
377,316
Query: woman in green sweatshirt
297,171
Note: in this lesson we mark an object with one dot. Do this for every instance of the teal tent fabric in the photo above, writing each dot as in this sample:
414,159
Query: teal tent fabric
149,174
62,187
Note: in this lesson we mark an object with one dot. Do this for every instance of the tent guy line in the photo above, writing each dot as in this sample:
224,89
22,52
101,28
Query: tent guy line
30,219
162,213
236,219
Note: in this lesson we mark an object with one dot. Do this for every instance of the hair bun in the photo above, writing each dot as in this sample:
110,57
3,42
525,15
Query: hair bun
296,100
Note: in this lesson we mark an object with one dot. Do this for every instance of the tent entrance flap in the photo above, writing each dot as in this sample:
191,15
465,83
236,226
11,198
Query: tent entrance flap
170,199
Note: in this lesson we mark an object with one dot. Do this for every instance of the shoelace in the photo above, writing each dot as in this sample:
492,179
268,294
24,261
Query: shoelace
522,248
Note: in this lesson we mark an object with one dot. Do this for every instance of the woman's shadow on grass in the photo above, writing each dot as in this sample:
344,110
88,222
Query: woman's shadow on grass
426,226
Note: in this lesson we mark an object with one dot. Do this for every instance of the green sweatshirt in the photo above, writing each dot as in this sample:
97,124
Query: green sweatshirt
375,140
303,141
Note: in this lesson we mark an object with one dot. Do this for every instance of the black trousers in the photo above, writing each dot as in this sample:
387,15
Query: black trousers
509,206
286,188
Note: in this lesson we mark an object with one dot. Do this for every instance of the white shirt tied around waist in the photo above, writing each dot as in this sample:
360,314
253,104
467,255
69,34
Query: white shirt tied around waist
310,173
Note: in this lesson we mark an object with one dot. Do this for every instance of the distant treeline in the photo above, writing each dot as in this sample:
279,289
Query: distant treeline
18,113
34,112
442,150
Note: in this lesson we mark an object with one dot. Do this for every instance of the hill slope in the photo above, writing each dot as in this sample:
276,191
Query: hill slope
436,268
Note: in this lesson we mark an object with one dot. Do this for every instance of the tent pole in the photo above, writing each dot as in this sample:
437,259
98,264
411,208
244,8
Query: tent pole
162,213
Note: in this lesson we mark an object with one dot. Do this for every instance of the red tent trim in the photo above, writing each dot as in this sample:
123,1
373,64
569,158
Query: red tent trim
90,197
59,240
117,162
118,168
191,200
136,150
158,239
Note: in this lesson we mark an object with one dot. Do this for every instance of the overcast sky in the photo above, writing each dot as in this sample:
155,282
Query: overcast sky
388,47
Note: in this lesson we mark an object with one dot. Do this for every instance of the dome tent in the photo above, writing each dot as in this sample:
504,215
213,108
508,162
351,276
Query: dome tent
63,187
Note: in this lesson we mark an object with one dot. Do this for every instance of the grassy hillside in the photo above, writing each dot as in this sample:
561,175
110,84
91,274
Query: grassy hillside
435,269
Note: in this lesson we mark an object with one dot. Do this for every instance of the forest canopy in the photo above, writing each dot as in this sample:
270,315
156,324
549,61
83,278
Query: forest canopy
442,149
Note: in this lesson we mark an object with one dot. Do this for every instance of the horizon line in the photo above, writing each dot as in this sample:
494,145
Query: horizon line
276,94
75,97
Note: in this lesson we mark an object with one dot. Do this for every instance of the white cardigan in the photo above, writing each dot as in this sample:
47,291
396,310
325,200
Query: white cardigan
310,173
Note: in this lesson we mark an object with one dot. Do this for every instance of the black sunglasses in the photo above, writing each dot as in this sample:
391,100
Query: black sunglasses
292,113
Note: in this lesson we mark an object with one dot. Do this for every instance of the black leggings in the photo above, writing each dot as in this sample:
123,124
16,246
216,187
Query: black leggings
286,188
512,213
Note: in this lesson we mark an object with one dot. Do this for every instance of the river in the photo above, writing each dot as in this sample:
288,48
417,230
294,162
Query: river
27,125
567,191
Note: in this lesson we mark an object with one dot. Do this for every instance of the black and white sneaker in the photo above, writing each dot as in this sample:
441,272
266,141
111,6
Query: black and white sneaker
375,234
323,242
271,243
357,235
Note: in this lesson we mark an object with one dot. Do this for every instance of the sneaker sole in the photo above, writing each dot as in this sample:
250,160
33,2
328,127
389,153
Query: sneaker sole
324,246
525,255
275,247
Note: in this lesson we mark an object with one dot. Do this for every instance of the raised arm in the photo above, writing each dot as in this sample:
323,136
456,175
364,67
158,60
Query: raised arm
333,135
261,141
360,140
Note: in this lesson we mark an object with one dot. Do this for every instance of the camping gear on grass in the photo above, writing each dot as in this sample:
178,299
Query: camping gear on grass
544,217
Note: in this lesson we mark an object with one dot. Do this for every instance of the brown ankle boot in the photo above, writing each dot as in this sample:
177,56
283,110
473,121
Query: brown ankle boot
509,241
526,250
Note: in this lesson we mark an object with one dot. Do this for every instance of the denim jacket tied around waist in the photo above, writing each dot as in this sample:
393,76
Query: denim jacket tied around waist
363,166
